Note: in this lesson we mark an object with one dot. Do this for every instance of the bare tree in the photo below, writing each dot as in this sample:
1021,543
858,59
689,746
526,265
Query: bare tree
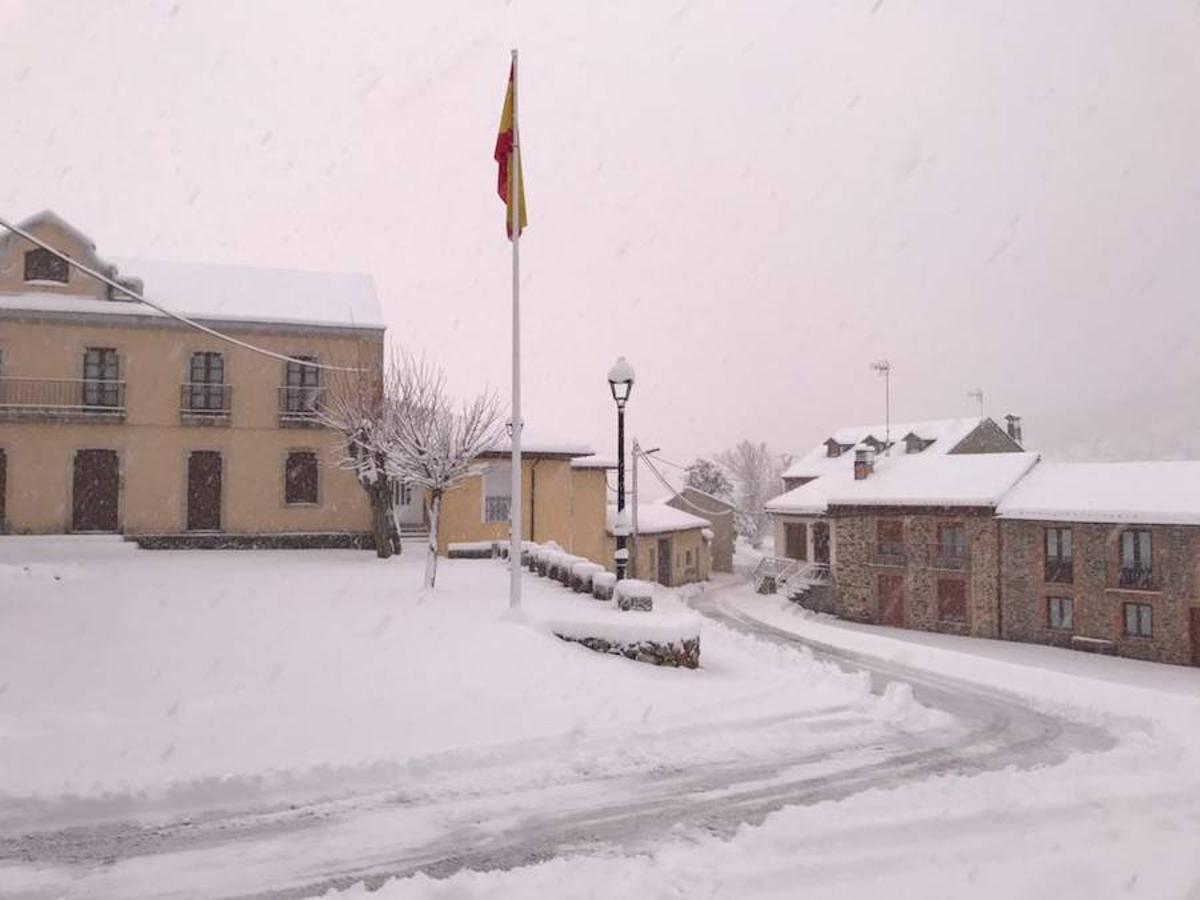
356,408
756,474
431,443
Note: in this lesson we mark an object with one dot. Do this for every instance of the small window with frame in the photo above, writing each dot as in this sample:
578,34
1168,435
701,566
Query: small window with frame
1139,620
1060,613
300,478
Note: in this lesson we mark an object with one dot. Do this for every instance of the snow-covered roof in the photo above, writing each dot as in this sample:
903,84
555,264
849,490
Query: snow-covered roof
658,518
1160,493
540,445
945,435
969,479
228,293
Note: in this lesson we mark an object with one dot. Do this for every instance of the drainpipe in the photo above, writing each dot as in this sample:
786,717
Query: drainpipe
533,498
999,577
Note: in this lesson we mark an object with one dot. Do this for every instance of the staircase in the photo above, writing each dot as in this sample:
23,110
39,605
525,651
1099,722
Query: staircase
416,536
808,584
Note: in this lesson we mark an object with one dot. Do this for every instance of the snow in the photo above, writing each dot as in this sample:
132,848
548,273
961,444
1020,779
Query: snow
973,479
1160,492
541,445
1120,823
150,681
229,294
946,434
658,518
471,546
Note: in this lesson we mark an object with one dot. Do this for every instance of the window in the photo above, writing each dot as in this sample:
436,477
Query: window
1059,565
1060,613
951,549
687,557
42,265
206,382
302,386
300,477
101,370
497,493
1139,620
889,542
795,540
1137,568
952,600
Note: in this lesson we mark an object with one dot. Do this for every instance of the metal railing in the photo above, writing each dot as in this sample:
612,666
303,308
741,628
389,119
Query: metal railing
300,405
948,556
497,509
205,400
889,553
1059,571
1138,577
50,397
771,571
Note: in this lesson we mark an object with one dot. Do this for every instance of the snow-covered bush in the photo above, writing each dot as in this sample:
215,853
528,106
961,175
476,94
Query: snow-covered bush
602,585
582,574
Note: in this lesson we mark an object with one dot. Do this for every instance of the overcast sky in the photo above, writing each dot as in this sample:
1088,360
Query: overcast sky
751,201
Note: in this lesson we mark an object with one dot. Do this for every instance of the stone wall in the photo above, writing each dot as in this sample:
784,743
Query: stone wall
856,568
684,654
1098,601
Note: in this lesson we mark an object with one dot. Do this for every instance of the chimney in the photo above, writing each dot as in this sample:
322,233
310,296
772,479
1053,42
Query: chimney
1014,427
864,463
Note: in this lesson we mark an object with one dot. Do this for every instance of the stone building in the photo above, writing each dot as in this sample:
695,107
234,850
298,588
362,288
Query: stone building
117,418
802,528
918,542
1104,557
719,513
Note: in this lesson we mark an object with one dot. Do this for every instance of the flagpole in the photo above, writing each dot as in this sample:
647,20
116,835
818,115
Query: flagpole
514,213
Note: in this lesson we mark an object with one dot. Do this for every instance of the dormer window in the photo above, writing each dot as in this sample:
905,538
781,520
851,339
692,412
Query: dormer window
915,444
42,265
832,448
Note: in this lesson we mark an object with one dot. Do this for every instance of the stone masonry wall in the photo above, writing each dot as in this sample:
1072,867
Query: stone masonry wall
1098,601
856,569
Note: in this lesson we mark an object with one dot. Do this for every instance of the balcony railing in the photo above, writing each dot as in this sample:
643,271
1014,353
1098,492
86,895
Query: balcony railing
200,402
300,406
1060,571
35,398
497,509
890,553
1137,578
948,556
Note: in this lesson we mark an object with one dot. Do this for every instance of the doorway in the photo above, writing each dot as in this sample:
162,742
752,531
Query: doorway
891,600
1194,612
821,542
664,562
204,491
795,540
407,506
95,491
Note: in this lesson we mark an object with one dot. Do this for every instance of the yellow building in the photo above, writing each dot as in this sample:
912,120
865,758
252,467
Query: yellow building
115,418
563,500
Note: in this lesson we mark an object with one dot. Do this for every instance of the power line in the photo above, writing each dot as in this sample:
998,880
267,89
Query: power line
101,277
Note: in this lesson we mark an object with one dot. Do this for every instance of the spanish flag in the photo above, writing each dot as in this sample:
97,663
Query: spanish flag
505,147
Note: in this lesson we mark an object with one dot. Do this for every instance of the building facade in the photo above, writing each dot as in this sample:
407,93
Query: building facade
116,418
720,514
1105,557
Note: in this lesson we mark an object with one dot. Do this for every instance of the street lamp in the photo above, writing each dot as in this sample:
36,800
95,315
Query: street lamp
620,381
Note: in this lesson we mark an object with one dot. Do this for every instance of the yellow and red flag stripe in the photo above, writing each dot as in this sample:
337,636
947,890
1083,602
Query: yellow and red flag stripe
504,154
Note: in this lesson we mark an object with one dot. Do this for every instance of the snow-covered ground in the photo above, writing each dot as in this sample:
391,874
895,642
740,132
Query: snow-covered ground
144,686
216,724
1124,823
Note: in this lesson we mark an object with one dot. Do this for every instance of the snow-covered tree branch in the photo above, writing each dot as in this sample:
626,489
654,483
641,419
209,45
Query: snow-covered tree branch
431,443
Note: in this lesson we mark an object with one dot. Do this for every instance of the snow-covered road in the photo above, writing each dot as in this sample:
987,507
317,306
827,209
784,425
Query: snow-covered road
510,805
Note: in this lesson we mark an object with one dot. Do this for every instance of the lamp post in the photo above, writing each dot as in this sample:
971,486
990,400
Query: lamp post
620,381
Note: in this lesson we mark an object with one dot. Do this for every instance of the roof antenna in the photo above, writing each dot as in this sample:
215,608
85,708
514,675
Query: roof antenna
884,368
977,395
